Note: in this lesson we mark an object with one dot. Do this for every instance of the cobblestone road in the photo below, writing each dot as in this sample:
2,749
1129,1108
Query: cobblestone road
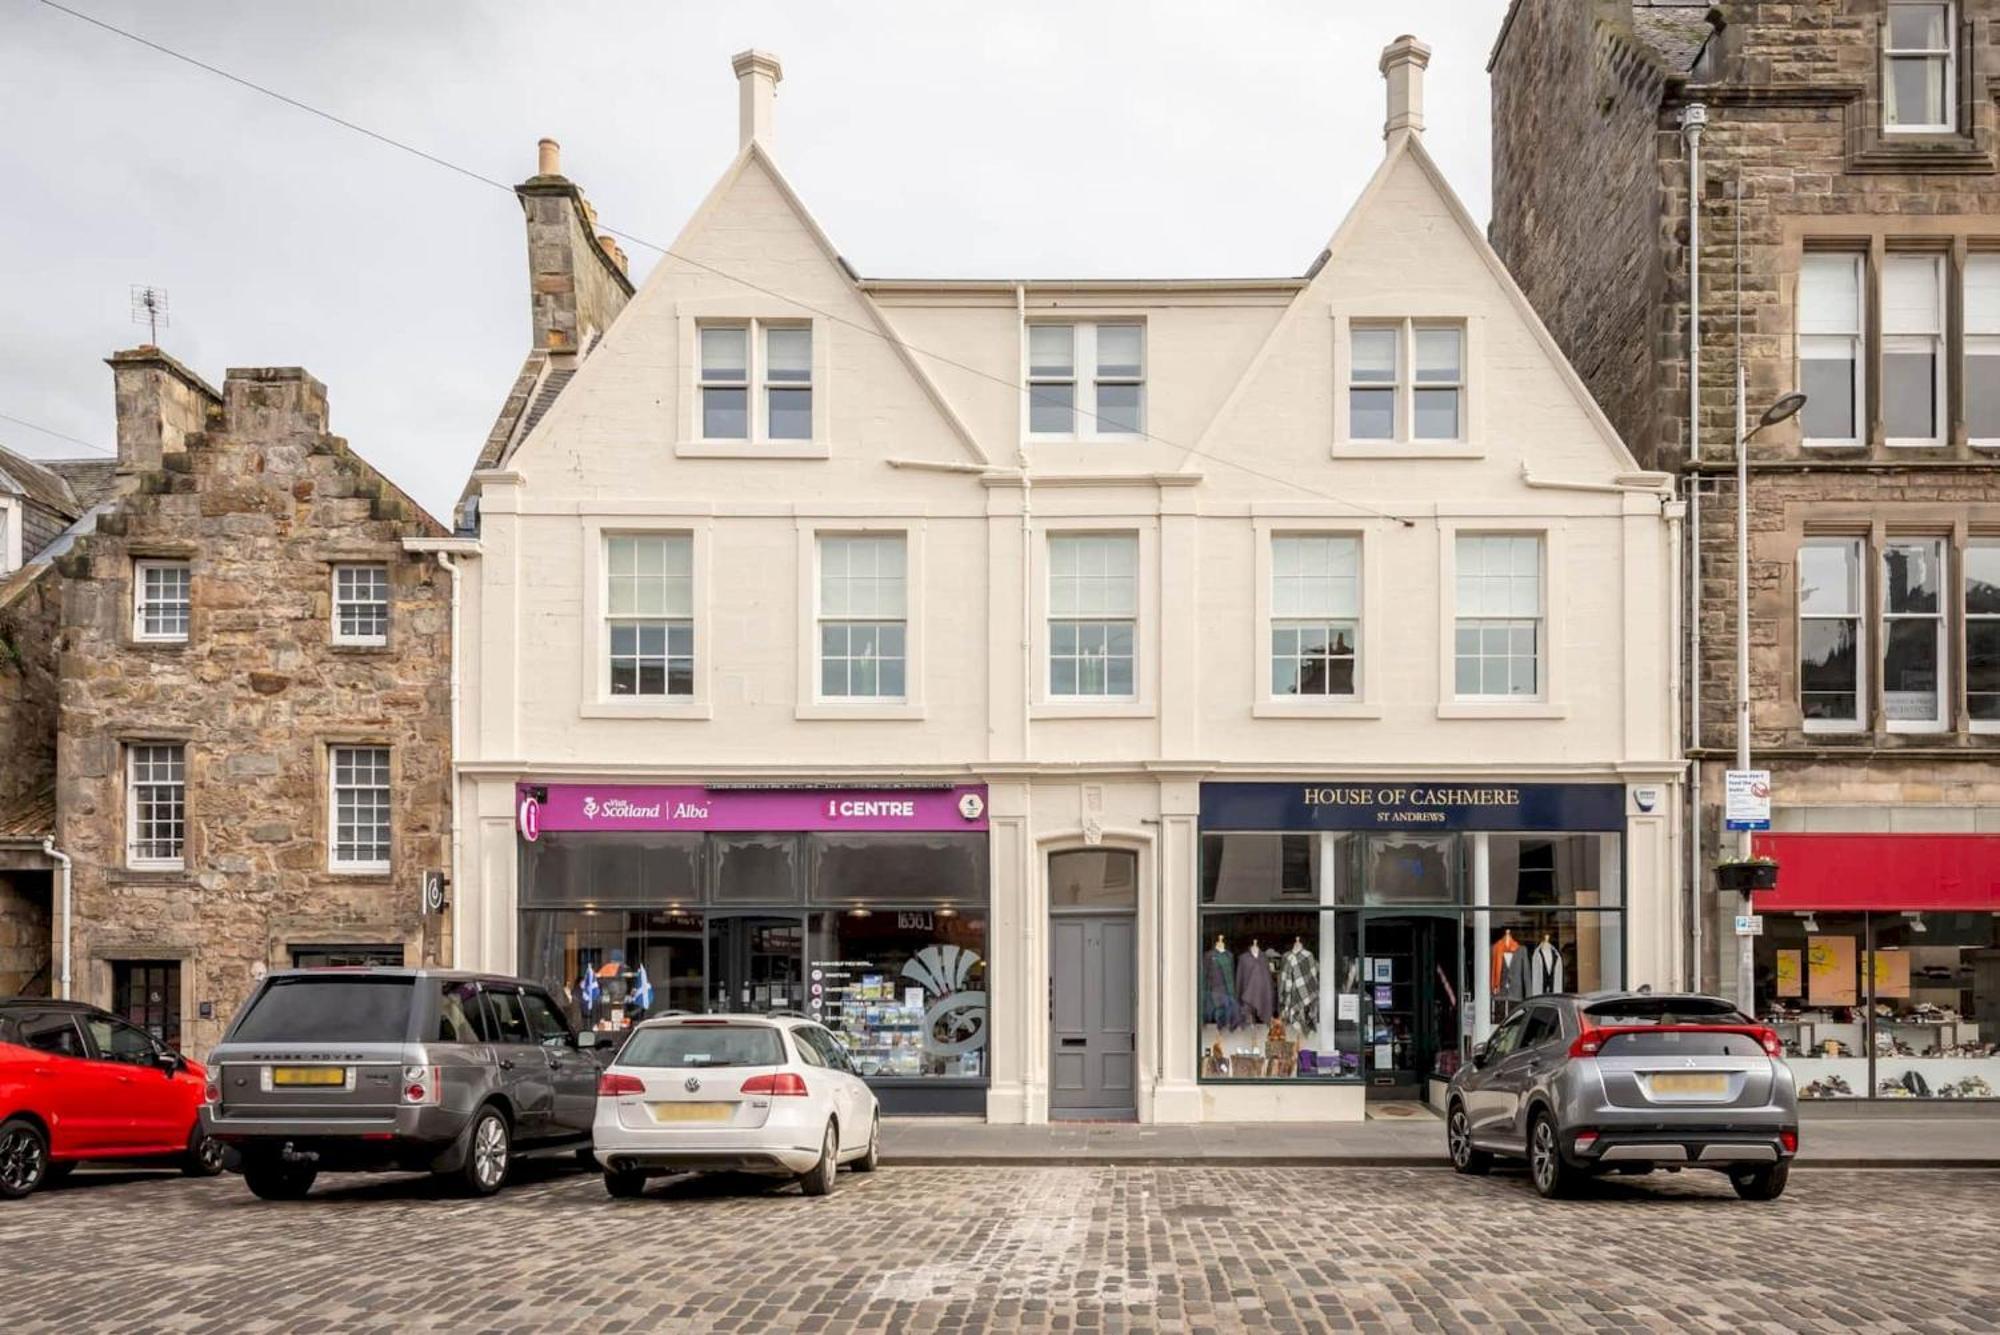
1044,1249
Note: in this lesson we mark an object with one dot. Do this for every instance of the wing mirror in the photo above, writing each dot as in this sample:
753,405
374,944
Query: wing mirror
1481,1054
586,1038
170,1062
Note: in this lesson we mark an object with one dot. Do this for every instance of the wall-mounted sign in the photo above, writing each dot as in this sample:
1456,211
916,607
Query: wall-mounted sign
628,807
1413,805
1749,924
1746,800
432,892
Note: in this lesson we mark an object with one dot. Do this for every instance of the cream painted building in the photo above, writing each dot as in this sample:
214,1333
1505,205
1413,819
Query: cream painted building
1183,700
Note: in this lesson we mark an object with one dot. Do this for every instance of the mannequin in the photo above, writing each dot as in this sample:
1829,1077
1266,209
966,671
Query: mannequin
1508,975
1255,988
1218,987
1545,968
1298,987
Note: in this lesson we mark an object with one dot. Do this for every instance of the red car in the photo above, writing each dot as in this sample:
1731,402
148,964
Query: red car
79,1083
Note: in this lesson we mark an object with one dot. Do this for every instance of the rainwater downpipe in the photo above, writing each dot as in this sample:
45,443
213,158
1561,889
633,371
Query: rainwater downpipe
1694,119
49,848
451,770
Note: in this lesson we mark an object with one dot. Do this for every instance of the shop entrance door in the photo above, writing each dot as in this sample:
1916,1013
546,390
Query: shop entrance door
757,964
1415,1001
1093,1000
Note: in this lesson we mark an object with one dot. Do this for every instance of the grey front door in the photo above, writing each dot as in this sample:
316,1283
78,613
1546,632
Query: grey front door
1093,1001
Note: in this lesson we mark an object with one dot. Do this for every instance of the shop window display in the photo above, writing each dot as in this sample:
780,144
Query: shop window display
905,989
1894,1005
1274,1002
610,968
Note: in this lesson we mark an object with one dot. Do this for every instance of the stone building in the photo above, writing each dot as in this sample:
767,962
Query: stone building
250,678
960,660
1807,194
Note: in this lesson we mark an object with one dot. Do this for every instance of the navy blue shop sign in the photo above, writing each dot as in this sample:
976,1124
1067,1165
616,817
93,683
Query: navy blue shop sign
1472,804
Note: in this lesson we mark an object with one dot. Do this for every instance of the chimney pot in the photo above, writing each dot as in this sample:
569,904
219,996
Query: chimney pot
757,76
1403,63
548,158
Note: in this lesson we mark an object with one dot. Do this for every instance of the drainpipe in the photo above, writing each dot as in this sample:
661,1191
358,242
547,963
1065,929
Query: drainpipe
1694,119
49,848
451,771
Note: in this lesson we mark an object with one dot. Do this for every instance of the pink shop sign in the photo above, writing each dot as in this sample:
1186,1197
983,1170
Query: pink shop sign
623,806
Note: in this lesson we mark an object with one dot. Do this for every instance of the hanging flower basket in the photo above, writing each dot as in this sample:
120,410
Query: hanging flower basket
1745,877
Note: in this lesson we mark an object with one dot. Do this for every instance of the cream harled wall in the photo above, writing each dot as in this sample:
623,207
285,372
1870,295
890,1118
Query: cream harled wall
1243,380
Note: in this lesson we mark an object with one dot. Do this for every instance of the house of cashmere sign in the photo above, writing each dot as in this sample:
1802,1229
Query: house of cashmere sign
1413,806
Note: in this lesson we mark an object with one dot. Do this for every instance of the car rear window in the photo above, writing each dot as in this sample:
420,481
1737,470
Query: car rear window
703,1045
328,1010
1664,1010
1682,1043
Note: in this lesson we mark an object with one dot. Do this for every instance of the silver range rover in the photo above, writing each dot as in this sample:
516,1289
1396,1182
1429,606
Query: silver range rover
1627,1082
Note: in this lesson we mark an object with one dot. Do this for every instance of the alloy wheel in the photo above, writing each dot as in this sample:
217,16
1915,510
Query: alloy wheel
1544,1155
23,1161
489,1152
1460,1137
211,1154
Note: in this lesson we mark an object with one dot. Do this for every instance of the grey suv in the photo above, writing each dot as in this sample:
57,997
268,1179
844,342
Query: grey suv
1628,1082
425,1070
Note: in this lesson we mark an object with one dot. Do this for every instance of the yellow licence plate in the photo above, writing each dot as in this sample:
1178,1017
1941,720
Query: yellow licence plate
309,1075
692,1112
1676,1083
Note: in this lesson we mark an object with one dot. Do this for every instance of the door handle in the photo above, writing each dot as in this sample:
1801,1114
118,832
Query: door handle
506,1063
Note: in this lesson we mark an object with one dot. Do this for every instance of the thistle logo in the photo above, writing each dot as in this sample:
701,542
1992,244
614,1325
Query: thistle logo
590,808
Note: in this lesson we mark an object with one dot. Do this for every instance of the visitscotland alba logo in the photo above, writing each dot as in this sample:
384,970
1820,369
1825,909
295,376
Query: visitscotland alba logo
618,808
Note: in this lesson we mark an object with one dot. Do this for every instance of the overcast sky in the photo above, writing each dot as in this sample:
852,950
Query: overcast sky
1015,139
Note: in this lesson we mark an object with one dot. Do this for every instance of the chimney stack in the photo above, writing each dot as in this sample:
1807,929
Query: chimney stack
577,279
1403,64
160,404
757,76
548,158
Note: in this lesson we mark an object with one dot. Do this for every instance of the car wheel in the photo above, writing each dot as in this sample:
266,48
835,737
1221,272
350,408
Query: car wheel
1554,1178
24,1158
1762,1184
818,1180
204,1155
270,1180
1465,1157
489,1155
624,1186
872,1160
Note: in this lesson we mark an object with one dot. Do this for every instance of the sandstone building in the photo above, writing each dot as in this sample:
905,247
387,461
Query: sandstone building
1810,193
226,705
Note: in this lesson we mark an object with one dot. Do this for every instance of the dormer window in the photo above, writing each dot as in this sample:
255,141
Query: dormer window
1919,68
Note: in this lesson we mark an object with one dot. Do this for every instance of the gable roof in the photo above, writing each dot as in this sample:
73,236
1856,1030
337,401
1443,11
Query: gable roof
879,326
37,482
1405,145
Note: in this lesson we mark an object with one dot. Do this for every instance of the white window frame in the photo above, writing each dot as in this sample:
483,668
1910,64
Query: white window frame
335,755
1551,702
387,601
1364,703
1981,281
1404,443
810,704
1987,544
140,602
1077,618
753,313
1853,341
595,643
1084,378
667,622
1538,618
1858,549
1291,619
153,753
1940,549
824,619
1947,55
1914,340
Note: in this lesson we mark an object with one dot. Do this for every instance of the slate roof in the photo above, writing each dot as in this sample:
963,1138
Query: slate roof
92,480
32,815
38,482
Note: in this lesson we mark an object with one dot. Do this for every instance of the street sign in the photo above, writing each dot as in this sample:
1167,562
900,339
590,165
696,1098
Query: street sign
1749,924
1746,800
433,892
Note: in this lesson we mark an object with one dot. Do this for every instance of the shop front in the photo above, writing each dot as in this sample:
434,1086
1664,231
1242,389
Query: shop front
864,909
1878,962
1369,933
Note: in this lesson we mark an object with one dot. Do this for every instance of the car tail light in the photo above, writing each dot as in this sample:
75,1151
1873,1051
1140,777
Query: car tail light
781,1083
211,1086
612,1084
1585,1140
423,1085
1773,1046
1588,1043
1790,1140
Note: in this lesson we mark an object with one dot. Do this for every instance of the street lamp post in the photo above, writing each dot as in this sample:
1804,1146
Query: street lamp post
1786,407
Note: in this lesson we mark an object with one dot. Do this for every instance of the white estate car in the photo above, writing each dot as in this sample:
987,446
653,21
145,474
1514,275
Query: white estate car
773,1094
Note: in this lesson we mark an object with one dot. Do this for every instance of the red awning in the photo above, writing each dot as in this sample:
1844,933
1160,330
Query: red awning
1882,871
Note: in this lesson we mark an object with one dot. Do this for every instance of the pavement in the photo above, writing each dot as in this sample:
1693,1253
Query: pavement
1077,1249
1830,1136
